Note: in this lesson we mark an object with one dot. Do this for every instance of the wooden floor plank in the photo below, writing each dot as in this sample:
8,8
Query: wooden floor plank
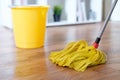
33,64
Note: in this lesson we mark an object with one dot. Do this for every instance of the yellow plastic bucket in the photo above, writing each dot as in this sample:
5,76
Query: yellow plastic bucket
29,25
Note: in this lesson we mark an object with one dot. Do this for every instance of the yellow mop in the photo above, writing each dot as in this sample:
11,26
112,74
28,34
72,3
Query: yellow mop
79,55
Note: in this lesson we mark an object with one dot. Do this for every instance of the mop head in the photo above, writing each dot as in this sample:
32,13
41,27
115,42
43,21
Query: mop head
78,55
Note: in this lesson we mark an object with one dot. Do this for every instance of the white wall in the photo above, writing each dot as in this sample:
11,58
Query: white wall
42,2
116,13
0,15
96,6
5,13
70,8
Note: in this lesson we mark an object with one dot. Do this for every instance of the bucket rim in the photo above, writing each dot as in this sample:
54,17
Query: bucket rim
30,6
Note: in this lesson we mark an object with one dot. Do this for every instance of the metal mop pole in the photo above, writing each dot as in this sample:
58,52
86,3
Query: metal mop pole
96,43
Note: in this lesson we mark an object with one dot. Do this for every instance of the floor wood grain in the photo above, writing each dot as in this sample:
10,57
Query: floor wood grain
33,64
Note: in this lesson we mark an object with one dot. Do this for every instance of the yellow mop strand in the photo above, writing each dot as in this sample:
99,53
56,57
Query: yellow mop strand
78,55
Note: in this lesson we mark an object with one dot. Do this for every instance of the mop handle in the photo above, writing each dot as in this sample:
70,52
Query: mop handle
96,43
107,19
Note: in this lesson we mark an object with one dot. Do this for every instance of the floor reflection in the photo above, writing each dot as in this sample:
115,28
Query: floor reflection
30,62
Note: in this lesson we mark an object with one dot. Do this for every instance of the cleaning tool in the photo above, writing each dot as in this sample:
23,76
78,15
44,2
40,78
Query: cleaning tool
79,55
